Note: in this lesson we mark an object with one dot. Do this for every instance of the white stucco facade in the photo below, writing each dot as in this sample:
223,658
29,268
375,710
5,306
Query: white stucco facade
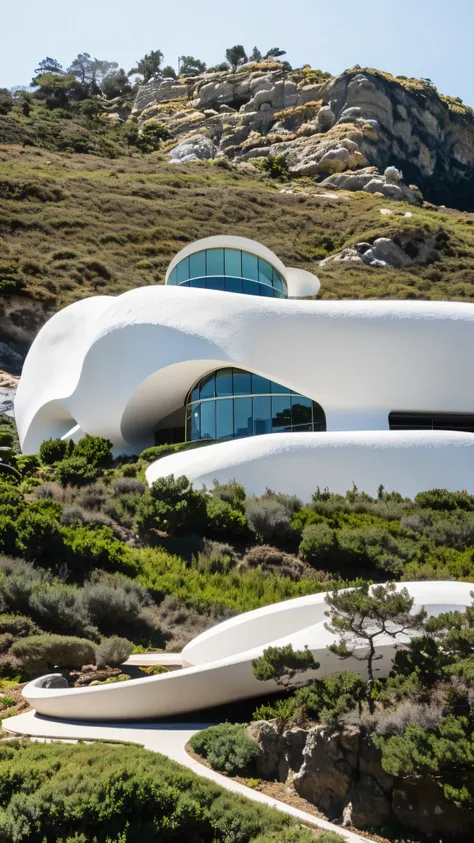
218,663
120,366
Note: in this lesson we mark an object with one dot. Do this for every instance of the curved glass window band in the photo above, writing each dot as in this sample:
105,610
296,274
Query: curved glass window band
227,263
229,404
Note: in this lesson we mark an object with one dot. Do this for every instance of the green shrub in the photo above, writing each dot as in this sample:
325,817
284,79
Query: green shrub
60,609
19,626
75,471
151,137
96,450
225,521
270,519
40,653
53,450
172,506
95,547
112,652
330,698
7,702
103,792
443,500
39,535
111,680
318,545
27,464
276,166
115,605
331,837
227,747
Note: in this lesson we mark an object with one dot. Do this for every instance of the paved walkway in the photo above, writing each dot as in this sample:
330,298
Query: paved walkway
170,740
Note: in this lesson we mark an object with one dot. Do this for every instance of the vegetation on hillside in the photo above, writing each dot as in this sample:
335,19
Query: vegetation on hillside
127,794
89,551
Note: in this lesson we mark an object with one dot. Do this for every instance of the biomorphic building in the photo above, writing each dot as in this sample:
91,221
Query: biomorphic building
286,391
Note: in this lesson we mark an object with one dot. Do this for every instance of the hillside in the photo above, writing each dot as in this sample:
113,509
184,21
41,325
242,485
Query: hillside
87,206
78,225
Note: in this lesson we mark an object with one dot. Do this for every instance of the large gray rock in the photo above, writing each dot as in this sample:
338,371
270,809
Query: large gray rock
197,148
55,681
385,250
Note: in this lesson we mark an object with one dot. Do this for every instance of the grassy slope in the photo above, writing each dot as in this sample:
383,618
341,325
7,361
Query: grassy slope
78,225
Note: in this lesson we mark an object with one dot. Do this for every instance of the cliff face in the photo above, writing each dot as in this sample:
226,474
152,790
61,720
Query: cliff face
345,124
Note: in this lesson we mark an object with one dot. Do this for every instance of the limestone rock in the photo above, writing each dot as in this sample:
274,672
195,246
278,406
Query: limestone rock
280,752
325,118
197,148
388,252
421,805
325,777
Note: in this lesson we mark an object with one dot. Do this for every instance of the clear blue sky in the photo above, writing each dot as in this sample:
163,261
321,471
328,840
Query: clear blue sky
430,38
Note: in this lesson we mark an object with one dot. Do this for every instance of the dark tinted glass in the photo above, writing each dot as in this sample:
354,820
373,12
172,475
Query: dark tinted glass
215,262
249,266
319,419
201,283
260,386
301,412
195,394
250,288
277,282
278,389
233,262
216,282
224,418
243,416
223,382
241,383
262,416
207,387
173,277
265,291
234,285
197,265
281,414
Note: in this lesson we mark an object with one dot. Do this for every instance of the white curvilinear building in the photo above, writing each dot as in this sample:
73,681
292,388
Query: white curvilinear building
290,392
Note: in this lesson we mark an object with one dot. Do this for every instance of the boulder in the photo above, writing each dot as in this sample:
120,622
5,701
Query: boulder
197,148
386,251
280,752
325,777
55,681
325,118
421,805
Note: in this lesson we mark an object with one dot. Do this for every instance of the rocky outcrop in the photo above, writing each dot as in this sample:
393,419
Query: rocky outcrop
341,773
330,129
405,249
20,320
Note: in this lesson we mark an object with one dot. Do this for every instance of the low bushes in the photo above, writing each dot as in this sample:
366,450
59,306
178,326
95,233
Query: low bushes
227,747
41,653
112,652
120,794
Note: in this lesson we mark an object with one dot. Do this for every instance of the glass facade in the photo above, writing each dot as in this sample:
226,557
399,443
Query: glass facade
232,403
231,270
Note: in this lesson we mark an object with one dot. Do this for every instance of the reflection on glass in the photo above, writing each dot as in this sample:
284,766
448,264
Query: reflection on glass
301,412
224,419
281,413
243,416
262,416
207,387
265,272
197,265
208,420
241,382
224,382
173,276
215,262
196,422
233,262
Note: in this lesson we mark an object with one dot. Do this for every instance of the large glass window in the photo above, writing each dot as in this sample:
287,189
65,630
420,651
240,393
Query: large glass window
232,403
215,262
229,269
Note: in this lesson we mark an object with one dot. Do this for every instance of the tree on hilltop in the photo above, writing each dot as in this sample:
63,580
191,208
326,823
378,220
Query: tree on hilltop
361,615
47,65
169,72
275,53
235,56
255,55
190,66
149,66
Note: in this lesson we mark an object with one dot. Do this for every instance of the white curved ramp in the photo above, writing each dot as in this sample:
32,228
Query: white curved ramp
298,463
220,661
